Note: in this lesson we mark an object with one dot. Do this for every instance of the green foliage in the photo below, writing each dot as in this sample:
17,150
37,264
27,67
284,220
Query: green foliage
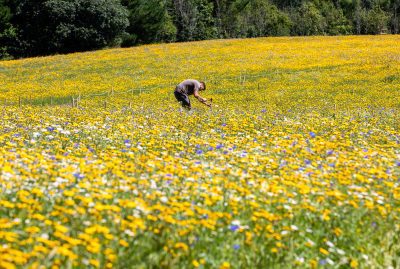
6,29
62,26
194,20
373,21
149,22
260,18
335,21
307,20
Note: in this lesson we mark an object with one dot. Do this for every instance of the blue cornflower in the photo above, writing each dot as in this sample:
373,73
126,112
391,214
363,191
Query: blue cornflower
234,228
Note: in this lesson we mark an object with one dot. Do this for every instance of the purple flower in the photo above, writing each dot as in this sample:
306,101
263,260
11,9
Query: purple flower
50,129
127,141
79,175
307,162
264,110
223,124
236,246
199,151
219,146
210,148
329,152
312,134
323,262
234,228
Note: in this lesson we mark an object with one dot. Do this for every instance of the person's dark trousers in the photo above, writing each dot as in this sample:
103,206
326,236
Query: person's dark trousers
183,99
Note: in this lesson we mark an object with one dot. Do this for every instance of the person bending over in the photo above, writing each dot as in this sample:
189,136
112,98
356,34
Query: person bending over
190,87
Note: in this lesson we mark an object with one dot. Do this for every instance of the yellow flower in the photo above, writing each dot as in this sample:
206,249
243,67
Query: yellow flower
123,243
323,251
353,263
195,263
225,265
94,262
182,246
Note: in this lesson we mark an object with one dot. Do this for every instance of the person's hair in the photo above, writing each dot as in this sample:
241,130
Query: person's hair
204,85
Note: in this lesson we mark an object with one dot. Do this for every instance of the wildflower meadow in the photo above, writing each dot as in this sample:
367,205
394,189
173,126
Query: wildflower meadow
296,165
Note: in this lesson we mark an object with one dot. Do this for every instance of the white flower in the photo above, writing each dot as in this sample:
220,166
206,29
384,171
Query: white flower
300,259
129,232
330,244
340,252
44,236
330,261
236,222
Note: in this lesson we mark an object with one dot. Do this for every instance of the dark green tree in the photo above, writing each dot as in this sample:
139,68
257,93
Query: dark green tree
224,15
149,22
63,26
307,20
336,22
7,31
394,10
194,20
261,18
374,21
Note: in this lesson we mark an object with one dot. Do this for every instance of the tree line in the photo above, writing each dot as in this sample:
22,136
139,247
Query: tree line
43,27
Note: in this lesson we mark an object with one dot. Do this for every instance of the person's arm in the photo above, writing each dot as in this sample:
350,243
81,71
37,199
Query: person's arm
201,99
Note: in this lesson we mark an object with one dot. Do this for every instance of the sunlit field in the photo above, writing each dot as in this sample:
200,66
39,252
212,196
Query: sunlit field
297,164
